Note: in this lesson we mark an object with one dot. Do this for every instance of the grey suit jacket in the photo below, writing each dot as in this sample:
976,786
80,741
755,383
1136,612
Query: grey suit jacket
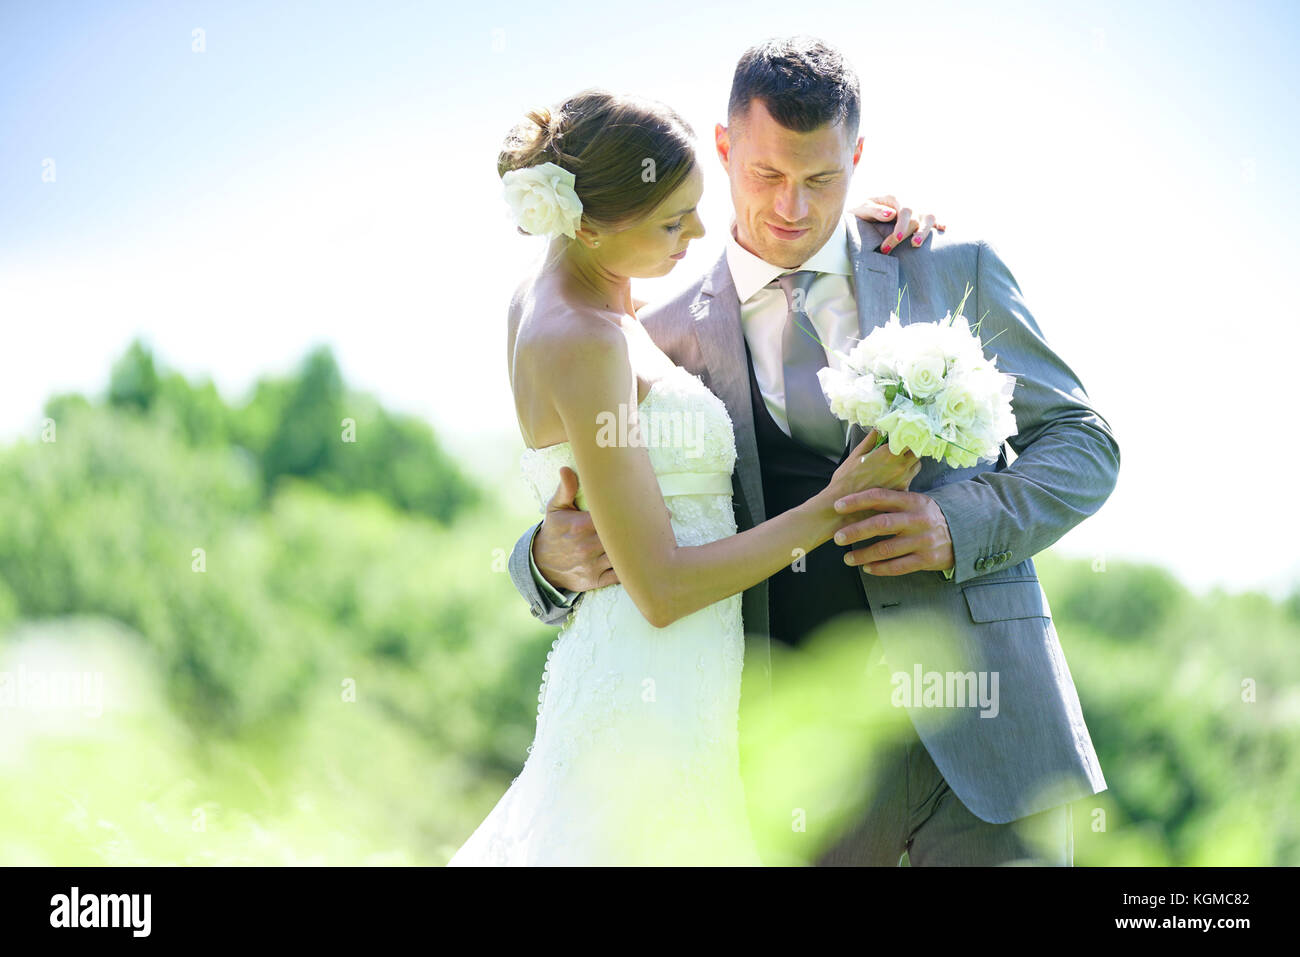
993,616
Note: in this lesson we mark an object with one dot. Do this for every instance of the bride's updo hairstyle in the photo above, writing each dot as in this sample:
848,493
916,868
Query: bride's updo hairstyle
627,154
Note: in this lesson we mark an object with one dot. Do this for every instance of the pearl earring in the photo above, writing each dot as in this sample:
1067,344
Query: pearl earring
596,243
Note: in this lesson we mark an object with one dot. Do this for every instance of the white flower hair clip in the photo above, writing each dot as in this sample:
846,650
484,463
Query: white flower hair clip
542,200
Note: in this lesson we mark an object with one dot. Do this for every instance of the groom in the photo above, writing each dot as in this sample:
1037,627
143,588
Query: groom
941,577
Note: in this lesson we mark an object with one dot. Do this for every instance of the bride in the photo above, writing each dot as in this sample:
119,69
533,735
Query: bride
635,756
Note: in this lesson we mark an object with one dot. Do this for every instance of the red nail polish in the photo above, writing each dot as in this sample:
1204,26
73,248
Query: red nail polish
898,235
886,248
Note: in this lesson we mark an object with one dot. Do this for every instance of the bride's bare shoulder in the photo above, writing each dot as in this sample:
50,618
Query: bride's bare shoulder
546,321
553,339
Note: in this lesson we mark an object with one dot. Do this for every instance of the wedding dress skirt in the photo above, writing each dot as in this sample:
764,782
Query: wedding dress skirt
635,759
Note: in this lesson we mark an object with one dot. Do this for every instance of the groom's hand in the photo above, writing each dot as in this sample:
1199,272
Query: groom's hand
918,540
567,550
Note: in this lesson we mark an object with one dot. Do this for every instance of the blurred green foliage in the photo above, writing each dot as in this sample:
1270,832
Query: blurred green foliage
1196,717
314,653
298,427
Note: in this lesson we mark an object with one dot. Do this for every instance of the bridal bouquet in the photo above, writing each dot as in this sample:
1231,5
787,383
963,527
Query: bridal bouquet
927,387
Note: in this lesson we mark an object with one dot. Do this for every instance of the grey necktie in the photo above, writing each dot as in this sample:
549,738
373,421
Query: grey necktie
811,421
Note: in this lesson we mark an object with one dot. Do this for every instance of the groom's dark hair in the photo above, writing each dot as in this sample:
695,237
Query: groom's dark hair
803,82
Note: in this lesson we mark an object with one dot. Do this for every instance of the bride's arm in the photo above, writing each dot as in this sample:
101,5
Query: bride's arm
588,378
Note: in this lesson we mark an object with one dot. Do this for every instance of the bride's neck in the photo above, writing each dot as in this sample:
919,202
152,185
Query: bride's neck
590,284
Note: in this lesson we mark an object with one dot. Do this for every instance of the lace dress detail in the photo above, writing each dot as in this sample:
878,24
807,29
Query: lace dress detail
635,757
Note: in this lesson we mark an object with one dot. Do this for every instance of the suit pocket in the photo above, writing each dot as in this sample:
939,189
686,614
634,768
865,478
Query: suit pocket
1005,600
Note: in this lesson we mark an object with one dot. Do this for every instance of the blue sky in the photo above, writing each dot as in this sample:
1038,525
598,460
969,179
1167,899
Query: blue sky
325,173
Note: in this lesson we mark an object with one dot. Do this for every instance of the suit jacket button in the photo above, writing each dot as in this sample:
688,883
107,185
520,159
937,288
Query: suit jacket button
979,564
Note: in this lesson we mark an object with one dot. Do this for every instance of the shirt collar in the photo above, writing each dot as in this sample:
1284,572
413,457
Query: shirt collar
750,273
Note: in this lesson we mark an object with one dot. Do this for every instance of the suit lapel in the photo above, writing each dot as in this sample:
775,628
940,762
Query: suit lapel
716,314
875,278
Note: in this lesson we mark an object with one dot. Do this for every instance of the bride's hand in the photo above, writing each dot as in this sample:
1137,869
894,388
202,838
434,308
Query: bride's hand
881,468
883,209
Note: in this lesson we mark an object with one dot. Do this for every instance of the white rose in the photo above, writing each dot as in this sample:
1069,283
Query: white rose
542,200
868,401
961,452
957,403
985,384
852,397
908,428
878,352
837,386
922,373
938,448
862,357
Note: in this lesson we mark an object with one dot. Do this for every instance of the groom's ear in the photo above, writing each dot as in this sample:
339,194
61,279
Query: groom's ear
857,153
722,140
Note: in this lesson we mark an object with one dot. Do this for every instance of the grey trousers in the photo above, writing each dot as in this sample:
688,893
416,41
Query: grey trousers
913,817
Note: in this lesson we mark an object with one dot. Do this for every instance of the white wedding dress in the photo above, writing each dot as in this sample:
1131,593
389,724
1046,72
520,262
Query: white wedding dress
635,758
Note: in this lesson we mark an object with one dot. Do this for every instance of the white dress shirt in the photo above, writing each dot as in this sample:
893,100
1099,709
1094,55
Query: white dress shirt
831,305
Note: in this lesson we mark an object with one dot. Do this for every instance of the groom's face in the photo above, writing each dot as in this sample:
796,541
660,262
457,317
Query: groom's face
788,188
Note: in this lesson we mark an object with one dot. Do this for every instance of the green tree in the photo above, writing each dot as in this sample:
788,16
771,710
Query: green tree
133,382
